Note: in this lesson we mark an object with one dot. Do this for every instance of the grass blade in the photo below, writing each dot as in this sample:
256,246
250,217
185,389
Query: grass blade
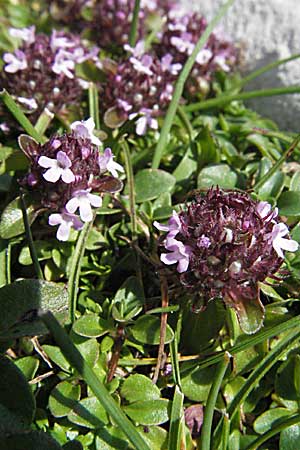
180,85
78,362
176,431
134,24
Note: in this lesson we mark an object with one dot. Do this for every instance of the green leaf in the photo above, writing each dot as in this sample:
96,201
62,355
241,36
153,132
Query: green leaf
209,151
285,386
129,300
43,250
197,383
150,183
91,325
33,440
63,398
295,182
15,393
289,203
11,223
89,348
21,300
147,330
111,438
148,412
186,167
28,366
290,438
177,422
217,175
57,357
250,313
88,413
138,387
269,419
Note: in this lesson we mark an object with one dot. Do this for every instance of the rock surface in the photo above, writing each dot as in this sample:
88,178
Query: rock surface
267,31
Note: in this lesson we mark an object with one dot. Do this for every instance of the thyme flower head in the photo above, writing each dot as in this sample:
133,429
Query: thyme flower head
224,244
180,35
68,173
41,72
141,85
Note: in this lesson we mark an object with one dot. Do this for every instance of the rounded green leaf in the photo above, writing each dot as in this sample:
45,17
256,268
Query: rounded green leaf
15,393
289,203
148,412
217,175
28,366
11,223
88,413
150,183
196,384
290,438
147,330
89,348
138,387
63,398
155,437
270,419
56,356
90,325
20,301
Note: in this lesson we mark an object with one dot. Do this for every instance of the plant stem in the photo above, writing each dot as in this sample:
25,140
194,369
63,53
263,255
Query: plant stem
32,250
163,327
207,361
130,179
294,420
225,99
262,368
76,269
267,68
185,121
278,163
94,104
19,115
206,431
180,85
43,121
77,361
134,24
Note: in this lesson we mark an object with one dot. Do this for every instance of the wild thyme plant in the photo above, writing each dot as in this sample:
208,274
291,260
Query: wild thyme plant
146,308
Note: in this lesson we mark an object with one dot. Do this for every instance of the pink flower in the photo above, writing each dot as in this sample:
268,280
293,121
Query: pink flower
83,200
57,168
180,254
15,62
26,34
279,242
66,222
85,130
64,64
174,225
107,163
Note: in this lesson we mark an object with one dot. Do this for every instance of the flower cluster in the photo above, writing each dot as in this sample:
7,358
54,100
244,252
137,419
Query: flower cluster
41,72
68,172
141,85
179,37
224,244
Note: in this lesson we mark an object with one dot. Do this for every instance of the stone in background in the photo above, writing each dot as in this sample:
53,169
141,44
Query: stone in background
267,30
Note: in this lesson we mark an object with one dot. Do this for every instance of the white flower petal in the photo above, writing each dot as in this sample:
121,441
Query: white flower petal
53,175
46,162
72,205
94,200
85,211
63,231
68,176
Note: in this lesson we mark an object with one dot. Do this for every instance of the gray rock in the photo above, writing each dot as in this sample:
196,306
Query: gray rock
267,31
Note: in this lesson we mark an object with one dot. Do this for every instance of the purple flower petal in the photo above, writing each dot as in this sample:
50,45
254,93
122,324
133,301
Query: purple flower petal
72,205
63,160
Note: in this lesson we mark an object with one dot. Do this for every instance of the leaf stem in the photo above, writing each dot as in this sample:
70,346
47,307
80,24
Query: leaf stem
278,163
281,426
267,68
206,431
76,269
130,179
134,24
77,361
223,100
19,115
32,250
179,86
43,121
